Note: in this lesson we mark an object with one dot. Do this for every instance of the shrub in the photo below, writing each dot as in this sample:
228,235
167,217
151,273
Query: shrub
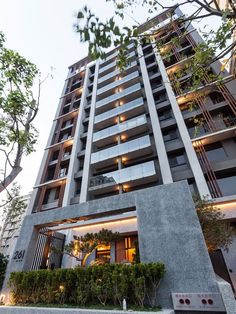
101,284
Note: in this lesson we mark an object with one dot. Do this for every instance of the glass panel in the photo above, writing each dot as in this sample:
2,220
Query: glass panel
121,149
116,96
119,110
125,175
132,123
118,82
113,73
227,185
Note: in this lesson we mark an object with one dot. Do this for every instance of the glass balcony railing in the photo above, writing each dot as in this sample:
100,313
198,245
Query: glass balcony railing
119,110
115,97
118,82
125,175
114,54
119,128
112,64
119,150
116,72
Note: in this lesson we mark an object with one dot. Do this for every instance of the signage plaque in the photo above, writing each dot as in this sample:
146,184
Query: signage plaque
202,301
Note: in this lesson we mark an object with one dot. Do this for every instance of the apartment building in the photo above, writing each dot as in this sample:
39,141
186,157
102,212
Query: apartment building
10,229
116,132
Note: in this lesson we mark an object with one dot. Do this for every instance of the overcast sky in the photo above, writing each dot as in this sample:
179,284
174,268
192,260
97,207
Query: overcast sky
42,31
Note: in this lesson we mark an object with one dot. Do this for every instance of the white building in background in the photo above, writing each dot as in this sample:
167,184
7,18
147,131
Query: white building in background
11,230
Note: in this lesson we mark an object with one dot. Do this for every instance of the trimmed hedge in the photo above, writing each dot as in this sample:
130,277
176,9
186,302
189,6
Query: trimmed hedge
102,284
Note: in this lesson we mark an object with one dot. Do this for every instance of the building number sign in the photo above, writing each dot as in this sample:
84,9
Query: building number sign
18,255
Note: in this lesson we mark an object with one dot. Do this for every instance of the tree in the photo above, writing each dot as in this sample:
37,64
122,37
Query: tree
18,109
216,230
3,267
83,246
102,35
13,210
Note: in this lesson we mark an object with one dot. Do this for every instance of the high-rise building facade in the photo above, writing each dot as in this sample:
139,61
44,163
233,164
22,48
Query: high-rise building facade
117,132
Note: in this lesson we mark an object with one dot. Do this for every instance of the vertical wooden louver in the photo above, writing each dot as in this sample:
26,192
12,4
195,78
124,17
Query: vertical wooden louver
207,168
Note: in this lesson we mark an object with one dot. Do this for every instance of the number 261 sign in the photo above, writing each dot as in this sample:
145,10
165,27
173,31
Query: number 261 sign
18,255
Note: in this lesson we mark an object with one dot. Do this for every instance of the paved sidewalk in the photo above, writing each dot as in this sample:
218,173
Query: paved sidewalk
46,310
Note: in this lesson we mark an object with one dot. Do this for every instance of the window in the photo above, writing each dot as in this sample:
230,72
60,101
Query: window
51,195
63,172
160,98
215,152
103,253
216,97
170,135
177,160
50,173
66,110
130,248
67,151
55,155
164,115
227,185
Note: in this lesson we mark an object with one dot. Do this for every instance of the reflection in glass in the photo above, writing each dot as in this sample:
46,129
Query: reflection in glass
125,175
119,128
116,72
114,97
121,149
118,82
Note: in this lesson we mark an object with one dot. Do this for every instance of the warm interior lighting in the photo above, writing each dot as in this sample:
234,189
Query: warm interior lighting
122,119
226,205
61,288
76,247
121,103
68,143
123,137
108,224
124,159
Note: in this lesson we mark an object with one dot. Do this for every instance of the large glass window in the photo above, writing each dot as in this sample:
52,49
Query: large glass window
177,160
215,152
170,135
227,185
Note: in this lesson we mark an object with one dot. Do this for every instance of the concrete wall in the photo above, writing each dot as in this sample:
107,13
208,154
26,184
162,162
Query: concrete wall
168,230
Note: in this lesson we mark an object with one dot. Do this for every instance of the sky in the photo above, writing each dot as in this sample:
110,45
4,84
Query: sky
42,31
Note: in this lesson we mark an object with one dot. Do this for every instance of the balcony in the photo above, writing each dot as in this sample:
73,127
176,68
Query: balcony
113,64
132,149
50,205
114,73
132,108
117,83
134,176
130,127
115,97
114,54
225,128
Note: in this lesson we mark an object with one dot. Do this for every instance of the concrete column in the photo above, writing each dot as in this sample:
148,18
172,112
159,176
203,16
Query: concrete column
86,171
190,152
158,138
70,183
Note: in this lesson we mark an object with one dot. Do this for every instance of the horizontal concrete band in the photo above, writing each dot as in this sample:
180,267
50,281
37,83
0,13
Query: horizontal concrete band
46,310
